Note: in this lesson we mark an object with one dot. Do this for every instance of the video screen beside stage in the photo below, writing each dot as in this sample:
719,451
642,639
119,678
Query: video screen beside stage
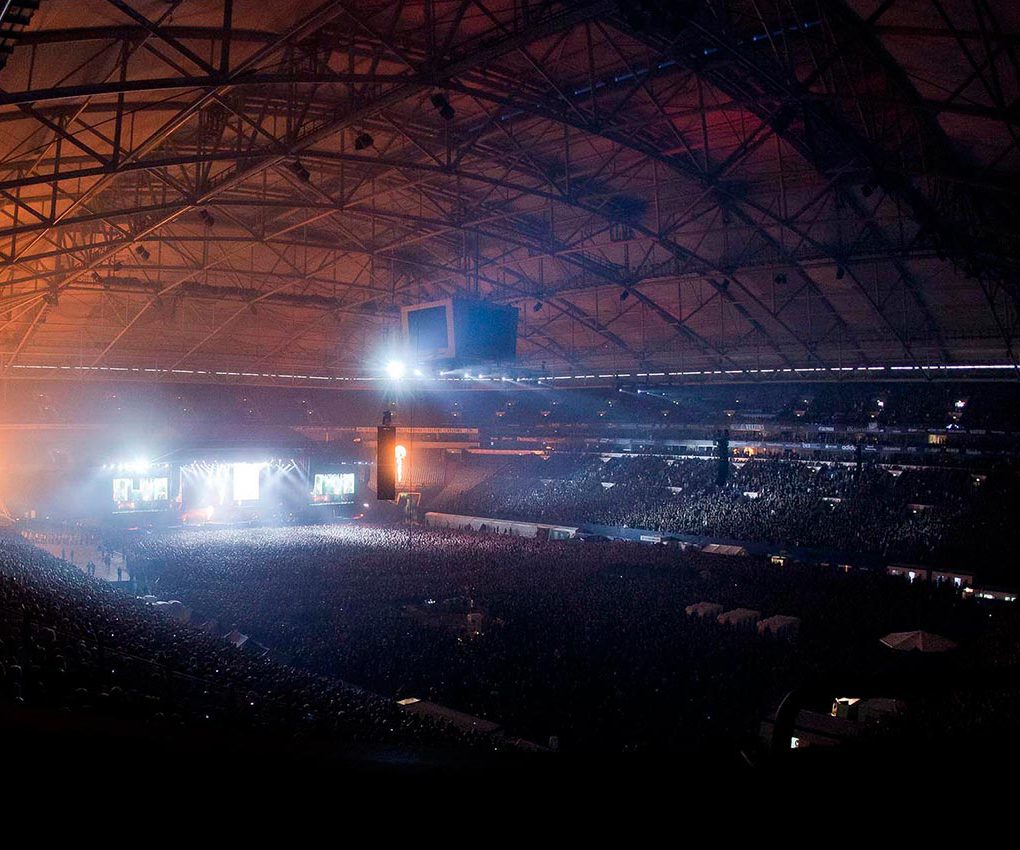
141,493
334,488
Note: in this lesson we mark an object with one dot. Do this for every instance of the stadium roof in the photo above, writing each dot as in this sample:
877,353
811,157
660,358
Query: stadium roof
255,188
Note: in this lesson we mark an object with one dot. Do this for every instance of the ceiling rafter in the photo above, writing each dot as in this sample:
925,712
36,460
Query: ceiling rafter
692,174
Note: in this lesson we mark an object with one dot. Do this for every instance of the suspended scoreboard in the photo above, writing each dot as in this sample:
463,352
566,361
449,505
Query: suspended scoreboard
460,332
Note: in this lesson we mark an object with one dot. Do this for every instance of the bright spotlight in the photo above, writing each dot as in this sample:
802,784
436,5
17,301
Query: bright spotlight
395,369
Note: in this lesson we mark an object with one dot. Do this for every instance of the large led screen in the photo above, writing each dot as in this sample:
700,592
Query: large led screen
246,481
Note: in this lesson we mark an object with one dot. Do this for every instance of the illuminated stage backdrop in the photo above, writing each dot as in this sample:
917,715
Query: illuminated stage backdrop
218,485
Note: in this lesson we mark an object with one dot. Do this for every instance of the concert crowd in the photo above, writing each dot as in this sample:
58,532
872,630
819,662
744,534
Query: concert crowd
71,644
943,516
579,645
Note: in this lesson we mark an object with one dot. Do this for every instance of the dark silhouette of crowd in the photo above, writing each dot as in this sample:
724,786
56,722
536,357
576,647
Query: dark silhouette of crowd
587,643
73,645
945,516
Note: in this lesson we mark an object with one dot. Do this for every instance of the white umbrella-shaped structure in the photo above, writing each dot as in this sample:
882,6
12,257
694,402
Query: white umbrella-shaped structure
919,641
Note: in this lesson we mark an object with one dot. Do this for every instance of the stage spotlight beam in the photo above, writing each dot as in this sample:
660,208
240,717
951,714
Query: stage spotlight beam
396,370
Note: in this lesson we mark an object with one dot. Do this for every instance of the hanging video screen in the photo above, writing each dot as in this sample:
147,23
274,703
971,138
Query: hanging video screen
141,493
335,488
